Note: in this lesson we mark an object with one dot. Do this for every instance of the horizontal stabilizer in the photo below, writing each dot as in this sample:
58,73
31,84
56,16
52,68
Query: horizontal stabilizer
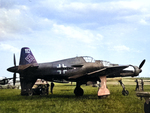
28,66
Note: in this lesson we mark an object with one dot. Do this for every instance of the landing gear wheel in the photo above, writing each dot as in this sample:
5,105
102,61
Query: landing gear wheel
30,93
78,91
125,92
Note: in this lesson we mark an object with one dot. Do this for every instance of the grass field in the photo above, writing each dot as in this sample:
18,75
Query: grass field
64,101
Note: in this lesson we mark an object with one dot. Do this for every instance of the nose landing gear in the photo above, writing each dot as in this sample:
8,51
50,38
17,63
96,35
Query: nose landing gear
124,91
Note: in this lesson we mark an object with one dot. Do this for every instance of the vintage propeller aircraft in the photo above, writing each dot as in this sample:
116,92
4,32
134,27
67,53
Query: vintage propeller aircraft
78,69
4,80
7,83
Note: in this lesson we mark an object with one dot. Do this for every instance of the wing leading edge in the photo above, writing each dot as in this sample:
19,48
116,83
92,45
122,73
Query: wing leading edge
107,71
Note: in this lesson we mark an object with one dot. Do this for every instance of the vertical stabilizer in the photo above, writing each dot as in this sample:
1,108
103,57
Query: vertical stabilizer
26,58
26,65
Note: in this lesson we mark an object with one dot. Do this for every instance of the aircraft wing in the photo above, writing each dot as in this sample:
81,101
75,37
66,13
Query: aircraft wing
28,66
107,71
7,78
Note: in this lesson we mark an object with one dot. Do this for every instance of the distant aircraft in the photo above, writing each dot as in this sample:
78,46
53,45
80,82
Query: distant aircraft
4,80
8,83
78,69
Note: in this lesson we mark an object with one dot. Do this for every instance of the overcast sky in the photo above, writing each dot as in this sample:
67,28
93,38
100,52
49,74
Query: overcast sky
111,30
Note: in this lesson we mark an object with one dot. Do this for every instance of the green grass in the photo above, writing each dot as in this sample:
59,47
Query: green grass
64,101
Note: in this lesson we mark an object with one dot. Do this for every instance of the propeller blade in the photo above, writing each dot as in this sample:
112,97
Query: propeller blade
142,63
14,60
14,79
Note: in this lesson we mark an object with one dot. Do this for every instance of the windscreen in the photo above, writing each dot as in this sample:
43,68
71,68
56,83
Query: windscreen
88,59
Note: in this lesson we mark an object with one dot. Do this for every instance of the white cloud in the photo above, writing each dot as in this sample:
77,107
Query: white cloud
142,21
16,20
76,33
6,47
121,48
101,13
128,4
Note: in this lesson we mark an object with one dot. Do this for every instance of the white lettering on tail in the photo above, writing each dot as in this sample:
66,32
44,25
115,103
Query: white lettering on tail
27,50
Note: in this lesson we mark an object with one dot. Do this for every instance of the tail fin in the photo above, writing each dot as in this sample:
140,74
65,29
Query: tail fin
27,62
27,57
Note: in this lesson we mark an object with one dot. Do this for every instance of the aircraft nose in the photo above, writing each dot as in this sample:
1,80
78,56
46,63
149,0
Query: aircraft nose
137,70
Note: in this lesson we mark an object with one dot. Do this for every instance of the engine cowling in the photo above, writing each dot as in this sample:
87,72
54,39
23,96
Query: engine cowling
136,70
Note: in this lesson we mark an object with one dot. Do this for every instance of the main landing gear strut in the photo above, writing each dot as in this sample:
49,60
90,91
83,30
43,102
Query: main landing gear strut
78,91
103,91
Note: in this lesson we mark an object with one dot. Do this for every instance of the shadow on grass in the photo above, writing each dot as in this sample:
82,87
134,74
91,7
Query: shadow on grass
73,96
50,96
66,85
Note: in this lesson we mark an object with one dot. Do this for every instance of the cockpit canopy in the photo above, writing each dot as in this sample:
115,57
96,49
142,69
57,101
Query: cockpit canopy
105,63
88,59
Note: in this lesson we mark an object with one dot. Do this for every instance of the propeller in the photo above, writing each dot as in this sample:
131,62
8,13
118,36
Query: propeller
14,60
14,75
138,70
14,78
142,63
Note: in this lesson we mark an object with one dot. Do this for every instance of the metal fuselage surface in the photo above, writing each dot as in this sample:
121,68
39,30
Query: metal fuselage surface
64,69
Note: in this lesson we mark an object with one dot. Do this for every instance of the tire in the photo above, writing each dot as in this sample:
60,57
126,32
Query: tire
30,93
125,92
78,91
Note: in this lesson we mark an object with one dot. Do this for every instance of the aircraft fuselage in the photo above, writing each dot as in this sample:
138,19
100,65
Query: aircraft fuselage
79,69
